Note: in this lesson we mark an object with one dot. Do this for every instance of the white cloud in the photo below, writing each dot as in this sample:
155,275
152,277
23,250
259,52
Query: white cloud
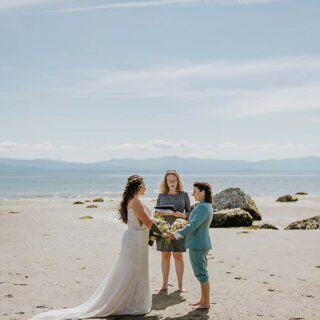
16,146
238,88
194,80
8,4
311,119
158,3
287,99
160,148
152,145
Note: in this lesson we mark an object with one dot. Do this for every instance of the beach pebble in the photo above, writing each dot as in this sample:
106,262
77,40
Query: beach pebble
78,202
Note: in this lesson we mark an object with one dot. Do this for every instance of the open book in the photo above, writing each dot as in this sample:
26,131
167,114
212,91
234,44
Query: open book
165,208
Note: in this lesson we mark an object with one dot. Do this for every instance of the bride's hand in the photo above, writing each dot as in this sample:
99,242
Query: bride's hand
168,235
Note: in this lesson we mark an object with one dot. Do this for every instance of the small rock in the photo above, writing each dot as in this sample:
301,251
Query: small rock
88,201
301,193
98,200
13,212
86,217
9,296
268,226
92,206
305,224
287,198
78,202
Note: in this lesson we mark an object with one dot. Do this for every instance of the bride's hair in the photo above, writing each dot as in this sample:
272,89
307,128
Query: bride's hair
133,185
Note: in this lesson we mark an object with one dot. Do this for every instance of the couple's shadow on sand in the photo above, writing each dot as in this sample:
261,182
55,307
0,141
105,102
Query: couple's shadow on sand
161,301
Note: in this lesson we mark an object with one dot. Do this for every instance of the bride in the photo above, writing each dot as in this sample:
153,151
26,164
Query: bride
125,290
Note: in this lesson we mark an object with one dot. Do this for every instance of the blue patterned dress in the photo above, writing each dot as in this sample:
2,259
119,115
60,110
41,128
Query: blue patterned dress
181,203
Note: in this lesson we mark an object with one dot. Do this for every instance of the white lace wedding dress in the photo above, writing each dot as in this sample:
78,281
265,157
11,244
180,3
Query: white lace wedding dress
125,290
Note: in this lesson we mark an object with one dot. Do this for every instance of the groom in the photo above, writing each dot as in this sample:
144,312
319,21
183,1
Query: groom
197,239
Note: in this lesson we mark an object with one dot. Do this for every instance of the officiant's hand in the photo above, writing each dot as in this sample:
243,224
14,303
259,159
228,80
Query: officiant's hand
180,215
168,235
161,213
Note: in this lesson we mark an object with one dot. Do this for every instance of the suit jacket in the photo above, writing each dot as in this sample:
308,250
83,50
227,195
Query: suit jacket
196,233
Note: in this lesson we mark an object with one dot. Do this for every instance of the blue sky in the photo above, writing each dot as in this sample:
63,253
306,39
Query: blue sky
94,80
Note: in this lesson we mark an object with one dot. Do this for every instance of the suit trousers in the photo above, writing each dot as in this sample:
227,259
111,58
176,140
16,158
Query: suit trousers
198,258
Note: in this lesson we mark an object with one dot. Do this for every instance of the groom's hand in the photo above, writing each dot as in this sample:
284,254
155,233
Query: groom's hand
168,235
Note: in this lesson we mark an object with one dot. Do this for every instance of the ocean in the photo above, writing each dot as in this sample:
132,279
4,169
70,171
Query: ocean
78,185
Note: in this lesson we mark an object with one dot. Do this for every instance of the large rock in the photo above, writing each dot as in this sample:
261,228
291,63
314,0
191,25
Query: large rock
235,198
287,198
231,218
305,224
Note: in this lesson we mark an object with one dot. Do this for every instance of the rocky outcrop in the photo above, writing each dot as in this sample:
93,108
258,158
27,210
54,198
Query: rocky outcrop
287,198
268,226
97,200
78,202
305,224
231,218
232,198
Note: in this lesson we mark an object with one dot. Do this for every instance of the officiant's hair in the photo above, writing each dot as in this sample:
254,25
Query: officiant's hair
164,186
133,185
205,186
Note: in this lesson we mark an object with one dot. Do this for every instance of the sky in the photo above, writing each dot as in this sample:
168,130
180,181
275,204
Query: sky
90,80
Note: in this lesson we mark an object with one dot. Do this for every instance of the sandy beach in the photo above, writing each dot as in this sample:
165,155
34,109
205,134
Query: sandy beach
52,259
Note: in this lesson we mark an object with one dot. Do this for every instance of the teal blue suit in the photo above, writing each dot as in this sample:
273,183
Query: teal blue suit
197,239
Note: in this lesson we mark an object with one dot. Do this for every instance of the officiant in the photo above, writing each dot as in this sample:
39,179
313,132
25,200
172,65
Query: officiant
172,193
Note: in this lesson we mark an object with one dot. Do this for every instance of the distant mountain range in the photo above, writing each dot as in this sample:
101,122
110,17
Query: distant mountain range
159,165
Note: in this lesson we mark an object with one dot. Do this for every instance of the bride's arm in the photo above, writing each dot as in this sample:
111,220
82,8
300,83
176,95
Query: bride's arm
141,213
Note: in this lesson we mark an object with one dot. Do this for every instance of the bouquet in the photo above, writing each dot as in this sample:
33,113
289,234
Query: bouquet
178,224
164,226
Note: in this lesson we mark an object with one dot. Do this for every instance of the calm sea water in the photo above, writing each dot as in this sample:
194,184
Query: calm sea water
69,186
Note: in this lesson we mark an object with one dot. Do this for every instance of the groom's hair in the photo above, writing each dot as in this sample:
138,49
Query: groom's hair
205,186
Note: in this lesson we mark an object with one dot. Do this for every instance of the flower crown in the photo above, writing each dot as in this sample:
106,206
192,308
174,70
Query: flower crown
133,180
